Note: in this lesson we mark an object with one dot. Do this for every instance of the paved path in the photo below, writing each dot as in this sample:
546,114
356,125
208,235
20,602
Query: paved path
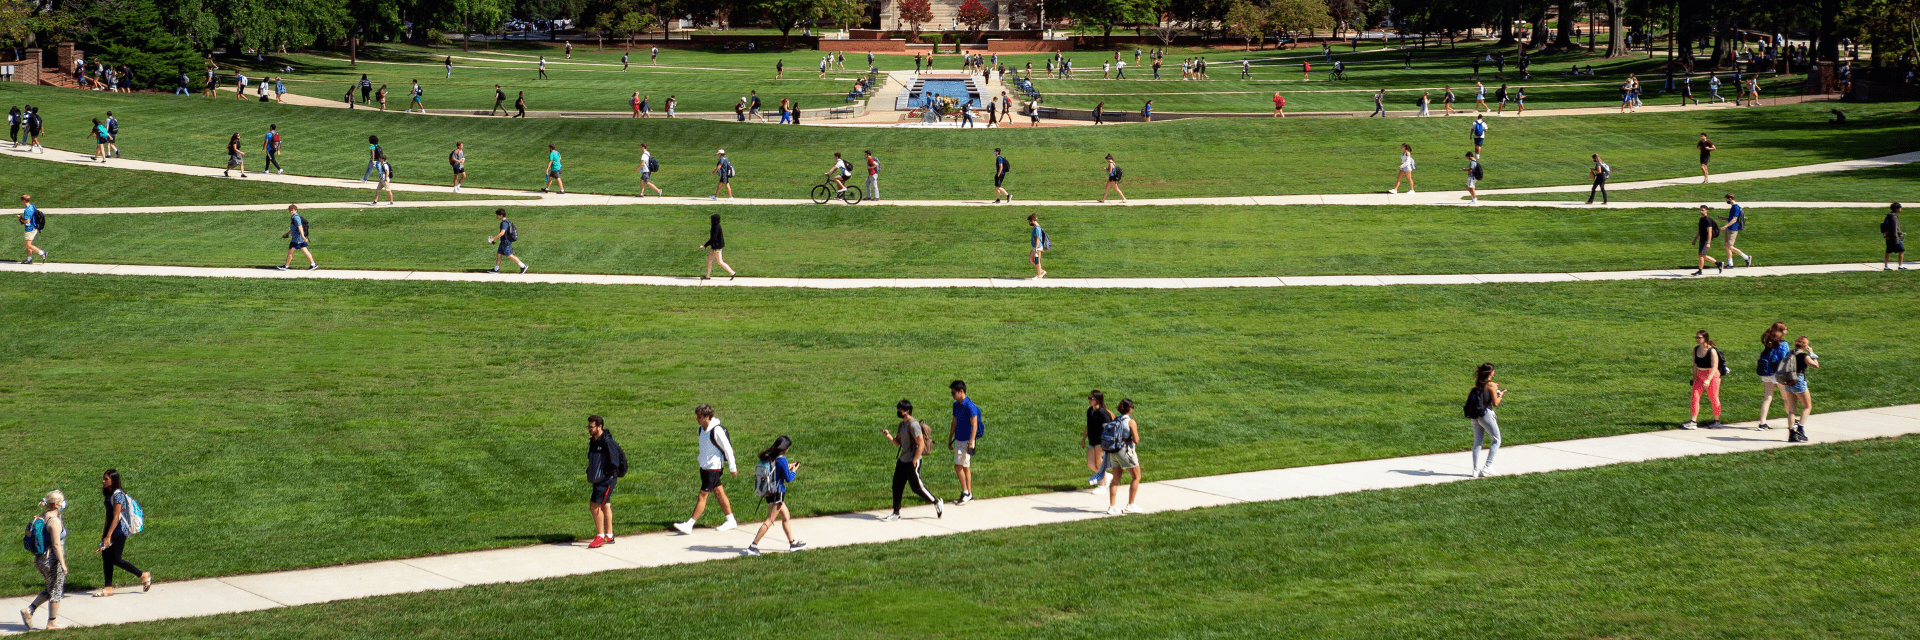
477,275
211,596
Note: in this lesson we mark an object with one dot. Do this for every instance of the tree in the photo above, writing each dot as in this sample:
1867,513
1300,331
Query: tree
634,23
130,32
1617,29
916,13
787,14
1247,21
973,14
1287,16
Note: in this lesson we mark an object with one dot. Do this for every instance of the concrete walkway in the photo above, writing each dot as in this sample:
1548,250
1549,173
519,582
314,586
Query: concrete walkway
507,276
212,596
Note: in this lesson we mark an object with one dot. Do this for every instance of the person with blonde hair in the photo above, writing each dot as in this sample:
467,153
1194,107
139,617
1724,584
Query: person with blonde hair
1792,378
51,560
1406,169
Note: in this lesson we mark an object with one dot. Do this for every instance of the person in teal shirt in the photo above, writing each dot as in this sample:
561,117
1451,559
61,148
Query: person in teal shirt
553,171
1039,245
101,139
29,217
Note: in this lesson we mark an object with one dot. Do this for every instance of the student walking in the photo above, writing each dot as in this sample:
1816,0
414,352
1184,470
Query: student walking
458,161
912,442
366,89
606,465
1708,228
236,159
1379,104
1736,220
723,168
1119,438
1446,98
381,96
34,221
1600,172
34,126
553,171
448,63
965,438
416,103
124,519
1039,245
499,100
771,476
1426,100
1113,181
543,69
46,539
647,166
508,235
101,141
1479,131
1708,365
1706,154
1406,169
715,453
1519,101
1773,350
1473,177
1792,377
385,183
1479,97
1890,230
15,118
1097,419
873,176
373,157
1485,395
297,239
520,105
271,147
715,242
1000,169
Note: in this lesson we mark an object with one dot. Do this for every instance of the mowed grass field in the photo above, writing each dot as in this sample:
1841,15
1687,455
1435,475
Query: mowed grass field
1809,542
932,242
1176,159
68,184
274,424
1899,183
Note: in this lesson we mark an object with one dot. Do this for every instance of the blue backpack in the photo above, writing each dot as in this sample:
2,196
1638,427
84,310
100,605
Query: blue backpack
136,518
38,539
766,480
1114,435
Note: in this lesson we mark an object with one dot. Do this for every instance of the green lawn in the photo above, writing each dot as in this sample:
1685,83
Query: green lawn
883,241
1810,542
64,185
275,424
1188,158
1891,184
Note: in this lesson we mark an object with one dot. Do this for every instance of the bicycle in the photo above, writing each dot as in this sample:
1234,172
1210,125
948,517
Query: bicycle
824,192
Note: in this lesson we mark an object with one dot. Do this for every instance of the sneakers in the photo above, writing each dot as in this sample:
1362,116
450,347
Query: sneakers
1410,191
1131,508
494,270
996,201
939,508
1394,190
30,260
1689,425
1697,272
1475,473
1763,427
456,188
796,545
1486,471
1093,480
1716,424
891,517
1720,267
1474,201
729,525
753,549
312,266
1113,510
523,268
714,198
598,541
964,498
279,268
1749,259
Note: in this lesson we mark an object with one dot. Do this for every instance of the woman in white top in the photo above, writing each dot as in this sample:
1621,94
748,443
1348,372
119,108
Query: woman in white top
1406,167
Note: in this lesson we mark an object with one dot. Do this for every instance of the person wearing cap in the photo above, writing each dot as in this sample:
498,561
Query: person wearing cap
724,169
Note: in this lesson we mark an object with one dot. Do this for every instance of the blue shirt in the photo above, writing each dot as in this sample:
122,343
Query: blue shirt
294,231
966,415
782,472
28,214
503,230
273,140
1735,217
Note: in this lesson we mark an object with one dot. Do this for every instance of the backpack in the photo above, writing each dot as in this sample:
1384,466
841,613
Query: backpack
1606,171
766,480
513,232
730,172
135,517
305,229
1046,243
1788,371
1479,170
1476,405
39,219
653,164
1724,369
1117,172
1765,366
1114,435
1005,167
38,538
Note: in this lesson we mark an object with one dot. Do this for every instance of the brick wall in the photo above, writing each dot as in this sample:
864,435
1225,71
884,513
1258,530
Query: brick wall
27,70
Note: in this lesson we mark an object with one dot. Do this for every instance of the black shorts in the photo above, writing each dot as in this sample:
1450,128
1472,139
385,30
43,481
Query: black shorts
997,178
1896,246
709,479
459,168
1704,157
602,493
777,498
1703,248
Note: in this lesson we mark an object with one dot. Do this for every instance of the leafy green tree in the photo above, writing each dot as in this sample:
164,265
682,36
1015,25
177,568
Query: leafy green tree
131,32
1288,16
1247,21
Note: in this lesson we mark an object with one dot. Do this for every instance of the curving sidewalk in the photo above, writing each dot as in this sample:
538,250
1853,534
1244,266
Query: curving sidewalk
232,594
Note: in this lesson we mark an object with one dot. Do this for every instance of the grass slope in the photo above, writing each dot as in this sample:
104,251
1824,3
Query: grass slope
1892,184
880,241
61,185
270,424
1811,542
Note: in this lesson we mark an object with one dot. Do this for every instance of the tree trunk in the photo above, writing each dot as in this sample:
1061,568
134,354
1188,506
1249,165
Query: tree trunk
1722,44
1683,29
1829,23
1506,30
1617,29
466,41
1563,39
353,51
1539,20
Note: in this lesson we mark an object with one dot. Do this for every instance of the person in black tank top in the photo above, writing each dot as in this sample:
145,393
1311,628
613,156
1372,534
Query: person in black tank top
1097,419
1706,379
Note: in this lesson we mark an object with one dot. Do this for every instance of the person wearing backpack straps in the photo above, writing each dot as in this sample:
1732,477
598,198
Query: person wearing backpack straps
508,235
297,239
715,451
964,439
1040,244
606,465
33,220
1706,229
1792,376
912,442
47,539
1708,364
123,520
723,168
1736,222
771,476
1773,350
1600,172
1000,169
1485,395
648,165
457,160
1097,419
1113,181
1473,177
1118,438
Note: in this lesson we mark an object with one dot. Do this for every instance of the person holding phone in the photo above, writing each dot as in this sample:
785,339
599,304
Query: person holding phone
912,442
1485,395
965,438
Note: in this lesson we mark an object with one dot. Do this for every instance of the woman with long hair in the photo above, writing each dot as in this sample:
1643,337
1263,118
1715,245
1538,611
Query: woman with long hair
1799,360
774,463
1485,395
715,242
1773,350
236,159
1706,378
52,562
119,527
1406,169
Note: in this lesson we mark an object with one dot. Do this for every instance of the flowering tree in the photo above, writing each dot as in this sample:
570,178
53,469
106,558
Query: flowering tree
916,13
973,14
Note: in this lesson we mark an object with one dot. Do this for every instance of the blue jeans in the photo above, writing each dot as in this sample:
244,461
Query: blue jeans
1486,427
181,91
371,166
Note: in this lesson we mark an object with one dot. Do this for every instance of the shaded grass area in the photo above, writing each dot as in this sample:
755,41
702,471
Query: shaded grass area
1810,542
275,424
1899,183
59,185
928,242
1188,158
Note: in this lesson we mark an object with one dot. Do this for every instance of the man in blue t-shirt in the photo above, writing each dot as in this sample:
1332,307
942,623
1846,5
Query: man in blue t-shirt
965,438
1000,168
1479,134
296,236
27,219
506,237
1736,219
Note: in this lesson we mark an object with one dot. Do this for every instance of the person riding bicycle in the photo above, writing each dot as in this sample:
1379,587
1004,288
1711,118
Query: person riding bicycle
839,173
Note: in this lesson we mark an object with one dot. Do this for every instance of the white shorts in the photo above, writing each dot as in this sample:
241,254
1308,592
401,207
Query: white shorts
1471,182
1406,166
33,234
960,456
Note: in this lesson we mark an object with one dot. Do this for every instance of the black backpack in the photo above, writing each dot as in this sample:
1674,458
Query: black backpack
653,164
39,219
1476,405
1117,173
1479,170
513,232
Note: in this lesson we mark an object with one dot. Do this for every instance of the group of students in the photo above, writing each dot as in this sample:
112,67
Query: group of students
368,94
46,539
1781,368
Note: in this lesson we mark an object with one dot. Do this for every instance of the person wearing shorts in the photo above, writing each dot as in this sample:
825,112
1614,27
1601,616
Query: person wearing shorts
417,91
715,454
553,171
1000,168
1446,99
606,463
1473,177
1479,131
506,243
965,438
634,103
1097,419
101,140
1736,220
1703,241
1796,393
1127,459
296,236
29,216
723,168
783,472
1896,239
236,159
1706,154
458,160
646,172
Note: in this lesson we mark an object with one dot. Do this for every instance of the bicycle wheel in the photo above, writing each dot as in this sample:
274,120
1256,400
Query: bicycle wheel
852,195
821,194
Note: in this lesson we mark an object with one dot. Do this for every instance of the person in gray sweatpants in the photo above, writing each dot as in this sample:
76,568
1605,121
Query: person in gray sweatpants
1486,395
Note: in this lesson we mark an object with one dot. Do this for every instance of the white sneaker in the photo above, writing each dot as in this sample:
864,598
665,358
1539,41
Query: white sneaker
753,549
1689,425
685,528
1411,192
456,188
939,508
1093,482
1131,508
796,545
1394,190
1474,201
1486,471
1475,474
1113,510
891,517
730,524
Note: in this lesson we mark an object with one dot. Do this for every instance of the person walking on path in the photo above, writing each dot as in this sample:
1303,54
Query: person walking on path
1113,181
1686,93
1039,245
1279,105
47,539
1479,131
520,105
873,177
373,157
381,95
1479,97
236,159
1500,100
543,69
508,235
606,465
1792,377
1406,169
499,100
1773,350
15,118
34,126
1708,364
1890,230
1706,154
641,109
297,240
771,476
101,140
553,171
1097,419
569,50
271,147
1481,400
385,183
715,453
723,168
1519,101
448,63
1379,104
1000,169
964,440
1120,438
1446,98
458,161
1473,177
654,56
1736,220
1426,101
715,242
646,168
32,220
1600,172
124,518
416,103
912,442
1703,241
366,89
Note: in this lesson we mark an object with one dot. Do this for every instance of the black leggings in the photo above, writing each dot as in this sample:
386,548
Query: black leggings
273,160
907,474
1599,185
110,558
